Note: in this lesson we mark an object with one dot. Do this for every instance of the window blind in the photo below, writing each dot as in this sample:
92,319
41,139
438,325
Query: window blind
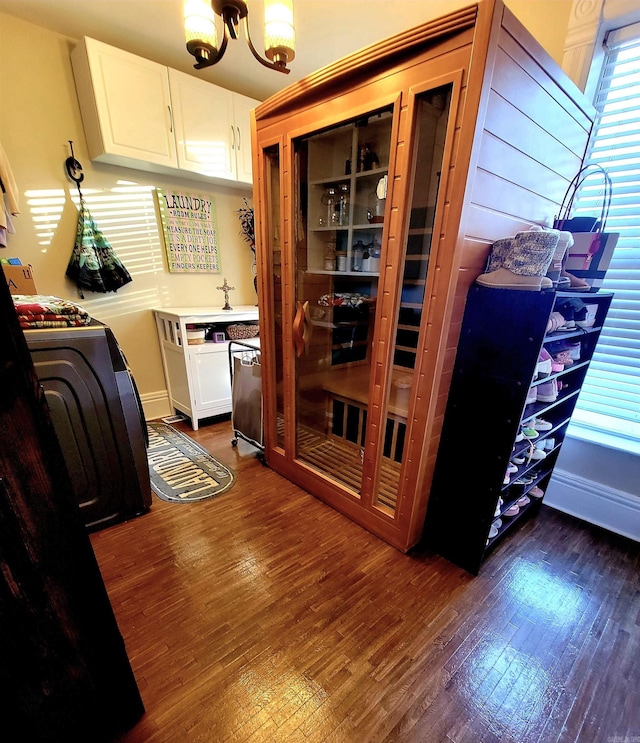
610,398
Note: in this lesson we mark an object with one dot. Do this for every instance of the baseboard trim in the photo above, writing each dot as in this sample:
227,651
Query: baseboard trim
598,504
156,405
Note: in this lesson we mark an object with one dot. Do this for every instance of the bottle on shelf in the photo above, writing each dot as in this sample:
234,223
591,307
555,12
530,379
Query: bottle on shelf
343,205
367,158
358,255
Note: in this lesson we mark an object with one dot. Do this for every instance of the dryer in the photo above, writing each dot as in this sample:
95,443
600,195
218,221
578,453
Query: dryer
98,418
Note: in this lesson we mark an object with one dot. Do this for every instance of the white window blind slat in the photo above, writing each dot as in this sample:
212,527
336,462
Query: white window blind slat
610,397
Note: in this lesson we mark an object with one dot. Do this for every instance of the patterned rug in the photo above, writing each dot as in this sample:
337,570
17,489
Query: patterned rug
182,471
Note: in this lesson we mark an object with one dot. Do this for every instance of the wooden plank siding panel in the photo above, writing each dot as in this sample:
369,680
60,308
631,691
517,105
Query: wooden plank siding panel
533,137
498,194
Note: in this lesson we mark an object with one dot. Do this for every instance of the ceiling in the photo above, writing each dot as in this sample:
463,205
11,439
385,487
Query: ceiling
326,30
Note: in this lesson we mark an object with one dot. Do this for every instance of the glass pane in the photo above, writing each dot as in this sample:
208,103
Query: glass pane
272,173
429,139
342,176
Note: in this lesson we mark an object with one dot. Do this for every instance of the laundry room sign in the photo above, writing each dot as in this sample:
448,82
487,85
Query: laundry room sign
190,231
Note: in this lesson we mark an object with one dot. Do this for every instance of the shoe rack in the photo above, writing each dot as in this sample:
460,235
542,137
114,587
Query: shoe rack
502,414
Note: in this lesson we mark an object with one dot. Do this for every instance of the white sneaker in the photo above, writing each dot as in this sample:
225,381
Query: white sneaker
541,425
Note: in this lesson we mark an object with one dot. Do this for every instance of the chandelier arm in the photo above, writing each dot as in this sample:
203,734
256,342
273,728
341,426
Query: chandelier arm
212,60
265,62
230,21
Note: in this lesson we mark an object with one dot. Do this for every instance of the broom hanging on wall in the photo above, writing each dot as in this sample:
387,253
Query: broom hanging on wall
93,265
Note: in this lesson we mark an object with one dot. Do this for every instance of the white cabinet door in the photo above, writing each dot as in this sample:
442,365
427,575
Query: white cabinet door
203,120
125,104
242,107
211,379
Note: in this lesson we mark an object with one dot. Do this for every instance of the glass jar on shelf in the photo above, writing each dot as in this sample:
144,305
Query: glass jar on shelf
330,256
371,258
330,201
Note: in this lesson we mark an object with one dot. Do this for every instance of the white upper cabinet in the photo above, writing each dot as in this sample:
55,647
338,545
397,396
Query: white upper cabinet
203,117
125,104
140,114
242,107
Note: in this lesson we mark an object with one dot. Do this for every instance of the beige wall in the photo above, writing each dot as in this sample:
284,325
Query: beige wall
547,20
38,115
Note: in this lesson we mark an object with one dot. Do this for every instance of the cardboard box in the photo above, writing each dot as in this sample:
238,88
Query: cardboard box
20,279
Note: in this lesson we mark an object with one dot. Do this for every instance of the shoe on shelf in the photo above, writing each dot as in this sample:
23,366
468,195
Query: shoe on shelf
541,425
523,501
507,479
511,468
519,459
493,533
498,508
549,444
575,284
536,492
574,350
521,262
556,323
529,433
538,454
532,396
497,523
543,368
588,318
563,357
513,510
547,391
524,480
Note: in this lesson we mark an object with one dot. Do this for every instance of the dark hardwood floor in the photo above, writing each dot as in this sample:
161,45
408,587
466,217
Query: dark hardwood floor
264,615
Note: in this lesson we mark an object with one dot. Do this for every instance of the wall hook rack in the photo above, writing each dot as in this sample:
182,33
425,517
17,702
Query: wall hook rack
74,169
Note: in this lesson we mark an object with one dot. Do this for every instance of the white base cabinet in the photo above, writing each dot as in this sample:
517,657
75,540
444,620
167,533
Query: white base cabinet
198,375
143,115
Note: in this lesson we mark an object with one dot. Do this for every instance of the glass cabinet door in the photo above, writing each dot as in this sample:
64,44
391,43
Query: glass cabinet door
273,242
342,178
341,192
429,135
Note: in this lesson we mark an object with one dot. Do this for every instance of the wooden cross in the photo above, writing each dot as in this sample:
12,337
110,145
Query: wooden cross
226,289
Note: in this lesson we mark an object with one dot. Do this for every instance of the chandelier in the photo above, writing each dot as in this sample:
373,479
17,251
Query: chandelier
202,37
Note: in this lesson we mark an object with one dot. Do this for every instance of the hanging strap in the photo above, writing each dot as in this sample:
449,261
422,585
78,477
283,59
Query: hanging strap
567,201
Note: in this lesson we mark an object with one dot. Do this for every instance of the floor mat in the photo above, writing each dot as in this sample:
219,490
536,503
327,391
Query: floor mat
182,471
